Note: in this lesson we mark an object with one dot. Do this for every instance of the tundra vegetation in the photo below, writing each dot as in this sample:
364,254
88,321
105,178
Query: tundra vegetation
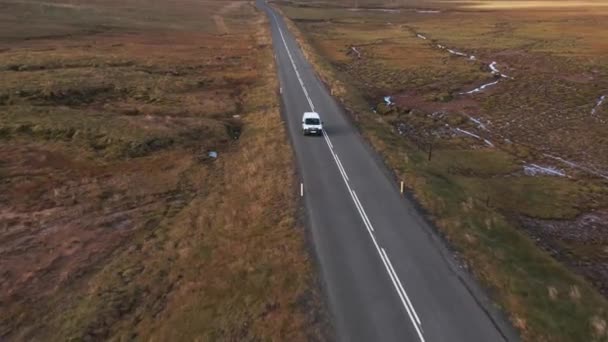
497,123
114,221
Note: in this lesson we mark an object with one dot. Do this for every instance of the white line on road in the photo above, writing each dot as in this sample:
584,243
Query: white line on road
368,225
397,285
365,218
381,252
341,167
342,172
390,265
327,140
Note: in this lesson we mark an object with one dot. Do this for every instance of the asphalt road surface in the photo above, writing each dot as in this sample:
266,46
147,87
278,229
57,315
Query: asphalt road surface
386,275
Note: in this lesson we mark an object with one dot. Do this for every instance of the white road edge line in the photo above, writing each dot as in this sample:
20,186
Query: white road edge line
366,222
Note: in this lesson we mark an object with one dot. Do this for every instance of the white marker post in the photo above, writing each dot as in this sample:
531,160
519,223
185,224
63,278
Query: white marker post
301,189
402,187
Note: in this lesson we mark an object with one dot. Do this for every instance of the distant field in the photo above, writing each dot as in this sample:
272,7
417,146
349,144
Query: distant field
497,121
525,4
115,223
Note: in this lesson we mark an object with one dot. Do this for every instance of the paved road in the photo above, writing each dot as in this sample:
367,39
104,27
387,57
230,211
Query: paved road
386,275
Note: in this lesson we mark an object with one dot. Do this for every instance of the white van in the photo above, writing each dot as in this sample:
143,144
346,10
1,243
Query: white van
312,124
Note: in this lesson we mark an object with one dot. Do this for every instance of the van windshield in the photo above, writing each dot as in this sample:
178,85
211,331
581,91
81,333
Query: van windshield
312,121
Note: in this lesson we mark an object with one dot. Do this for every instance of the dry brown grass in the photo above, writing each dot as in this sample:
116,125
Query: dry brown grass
114,223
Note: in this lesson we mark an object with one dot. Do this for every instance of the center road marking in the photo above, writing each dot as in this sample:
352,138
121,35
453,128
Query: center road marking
405,300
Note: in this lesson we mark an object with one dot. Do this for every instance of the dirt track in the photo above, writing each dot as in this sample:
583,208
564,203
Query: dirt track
220,23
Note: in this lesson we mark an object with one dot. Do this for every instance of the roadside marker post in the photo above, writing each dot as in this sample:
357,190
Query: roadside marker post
402,187
301,189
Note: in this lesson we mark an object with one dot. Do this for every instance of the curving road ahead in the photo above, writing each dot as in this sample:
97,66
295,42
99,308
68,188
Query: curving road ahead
387,276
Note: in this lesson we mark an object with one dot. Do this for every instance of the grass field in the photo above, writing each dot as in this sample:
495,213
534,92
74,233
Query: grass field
114,221
515,174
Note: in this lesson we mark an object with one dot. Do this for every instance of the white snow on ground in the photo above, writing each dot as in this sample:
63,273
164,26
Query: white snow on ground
388,100
534,170
496,71
489,143
577,166
476,90
598,104
458,53
356,51
428,11
479,123
530,168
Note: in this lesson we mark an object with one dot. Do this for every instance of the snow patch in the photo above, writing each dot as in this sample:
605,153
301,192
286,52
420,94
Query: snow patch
457,53
495,70
488,142
598,104
535,170
420,36
476,90
577,166
428,11
356,51
479,123
468,133
473,135
388,100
